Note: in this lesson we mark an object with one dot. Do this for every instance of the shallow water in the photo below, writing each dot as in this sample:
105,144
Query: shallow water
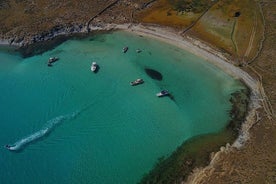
74,126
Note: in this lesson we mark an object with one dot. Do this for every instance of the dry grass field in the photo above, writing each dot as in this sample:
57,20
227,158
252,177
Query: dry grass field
163,13
236,27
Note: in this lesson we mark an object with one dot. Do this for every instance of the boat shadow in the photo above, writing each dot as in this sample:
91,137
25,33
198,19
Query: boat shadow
97,69
171,97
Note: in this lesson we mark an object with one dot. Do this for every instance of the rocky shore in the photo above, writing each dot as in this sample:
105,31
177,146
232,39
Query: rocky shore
44,36
198,151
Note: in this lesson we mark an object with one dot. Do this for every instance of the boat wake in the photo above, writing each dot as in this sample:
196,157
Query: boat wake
46,130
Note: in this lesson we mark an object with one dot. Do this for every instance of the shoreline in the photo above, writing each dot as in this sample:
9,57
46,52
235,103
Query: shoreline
212,56
195,152
189,44
216,58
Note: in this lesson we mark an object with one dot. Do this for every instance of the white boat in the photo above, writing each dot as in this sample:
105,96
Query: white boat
136,82
163,93
125,49
138,50
94,66
52,60
9,147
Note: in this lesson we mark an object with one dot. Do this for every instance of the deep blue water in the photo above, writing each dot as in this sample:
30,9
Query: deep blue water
70,125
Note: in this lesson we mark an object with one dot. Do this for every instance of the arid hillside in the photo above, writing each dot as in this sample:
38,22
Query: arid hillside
21,19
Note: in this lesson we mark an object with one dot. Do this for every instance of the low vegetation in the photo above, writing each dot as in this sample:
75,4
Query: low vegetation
193,153
196,6
234,26
222,23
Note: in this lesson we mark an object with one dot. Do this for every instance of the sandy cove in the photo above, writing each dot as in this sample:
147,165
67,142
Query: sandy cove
204,51
213,56
187,43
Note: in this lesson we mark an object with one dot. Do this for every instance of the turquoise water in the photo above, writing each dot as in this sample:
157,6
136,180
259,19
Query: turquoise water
70,125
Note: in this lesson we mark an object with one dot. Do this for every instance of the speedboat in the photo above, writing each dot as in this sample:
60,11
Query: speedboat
94,67
125,49
136,82
9,147
163,93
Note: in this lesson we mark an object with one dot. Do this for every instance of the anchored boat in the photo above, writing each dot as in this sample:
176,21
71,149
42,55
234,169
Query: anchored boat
52,60
137,82
163,93
125,49
94,67
138,50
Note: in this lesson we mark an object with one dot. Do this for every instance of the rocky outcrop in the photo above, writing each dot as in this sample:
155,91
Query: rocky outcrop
57,31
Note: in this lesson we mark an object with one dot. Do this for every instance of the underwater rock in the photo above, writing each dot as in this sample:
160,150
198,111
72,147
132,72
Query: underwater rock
154,74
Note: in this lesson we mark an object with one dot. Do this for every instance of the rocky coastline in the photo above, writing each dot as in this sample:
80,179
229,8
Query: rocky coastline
40,42
198,151
59,30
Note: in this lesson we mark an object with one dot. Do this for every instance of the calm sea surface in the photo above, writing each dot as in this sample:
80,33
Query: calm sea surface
69,125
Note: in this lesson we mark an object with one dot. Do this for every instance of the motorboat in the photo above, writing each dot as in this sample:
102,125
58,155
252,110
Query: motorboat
52,60
163,93
94,66
138,50
137,82
9,147
125,49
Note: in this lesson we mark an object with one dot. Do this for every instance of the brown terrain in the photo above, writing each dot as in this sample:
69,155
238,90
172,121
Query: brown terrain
242,30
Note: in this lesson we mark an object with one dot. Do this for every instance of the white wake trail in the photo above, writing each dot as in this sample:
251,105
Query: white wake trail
50,125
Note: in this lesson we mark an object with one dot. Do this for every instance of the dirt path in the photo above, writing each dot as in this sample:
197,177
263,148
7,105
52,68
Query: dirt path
197,20
232,36
266,104
252,37
100,12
